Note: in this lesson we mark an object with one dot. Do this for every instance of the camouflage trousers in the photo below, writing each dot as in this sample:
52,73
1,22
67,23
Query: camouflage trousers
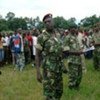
52,84
84,69
75,72
96,58
20,61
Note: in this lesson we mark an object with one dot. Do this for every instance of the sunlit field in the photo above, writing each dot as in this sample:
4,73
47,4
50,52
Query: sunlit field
16,85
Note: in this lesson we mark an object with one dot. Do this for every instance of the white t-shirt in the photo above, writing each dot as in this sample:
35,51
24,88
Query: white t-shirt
5,41
34,43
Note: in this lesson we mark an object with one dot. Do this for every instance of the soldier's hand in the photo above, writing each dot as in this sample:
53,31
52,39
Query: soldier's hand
39,77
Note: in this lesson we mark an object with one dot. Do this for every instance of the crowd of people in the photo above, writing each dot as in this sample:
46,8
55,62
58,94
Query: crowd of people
18,48
52,46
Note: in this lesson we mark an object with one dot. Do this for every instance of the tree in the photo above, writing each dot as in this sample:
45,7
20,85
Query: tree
71,23
17,23
31,23
3,25
90,21
10,15
60,22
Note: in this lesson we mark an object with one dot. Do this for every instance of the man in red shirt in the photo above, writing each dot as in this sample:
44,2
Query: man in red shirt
29,37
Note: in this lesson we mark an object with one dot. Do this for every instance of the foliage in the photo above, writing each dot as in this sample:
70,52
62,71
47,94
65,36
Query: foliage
90,21
60,22
17,23
3,24
11,22
10,15
72,23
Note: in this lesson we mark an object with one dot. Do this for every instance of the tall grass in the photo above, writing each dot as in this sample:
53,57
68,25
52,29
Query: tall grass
15,85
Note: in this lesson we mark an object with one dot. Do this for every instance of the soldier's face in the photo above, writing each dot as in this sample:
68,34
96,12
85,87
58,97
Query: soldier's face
49,24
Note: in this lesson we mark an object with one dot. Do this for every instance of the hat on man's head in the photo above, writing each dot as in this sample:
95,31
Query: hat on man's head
47,16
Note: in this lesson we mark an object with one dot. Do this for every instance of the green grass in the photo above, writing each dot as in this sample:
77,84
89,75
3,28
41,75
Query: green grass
15,85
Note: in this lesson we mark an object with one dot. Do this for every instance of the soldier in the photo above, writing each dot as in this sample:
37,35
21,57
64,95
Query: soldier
96,56
74,60
49,45
81,39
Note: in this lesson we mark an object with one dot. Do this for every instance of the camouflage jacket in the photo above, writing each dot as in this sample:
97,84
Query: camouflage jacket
72,43
96,37
52,49
50,44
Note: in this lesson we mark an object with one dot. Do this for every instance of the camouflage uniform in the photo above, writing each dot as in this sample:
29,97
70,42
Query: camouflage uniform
96,56
65,53
50,45
74,62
